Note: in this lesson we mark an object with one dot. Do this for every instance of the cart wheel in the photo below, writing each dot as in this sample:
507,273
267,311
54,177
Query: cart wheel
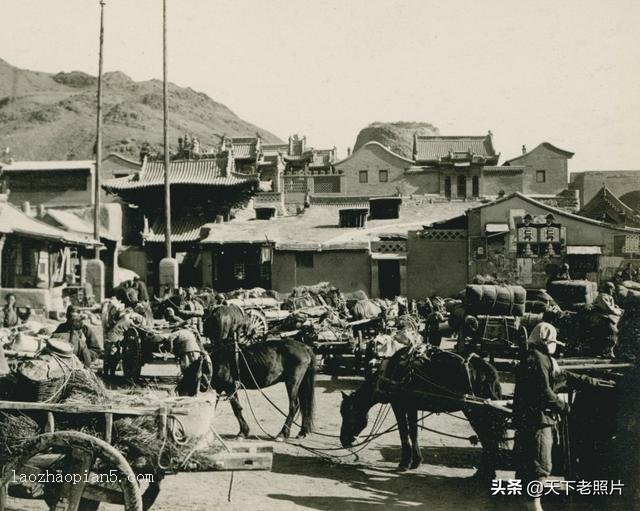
257,328
76,453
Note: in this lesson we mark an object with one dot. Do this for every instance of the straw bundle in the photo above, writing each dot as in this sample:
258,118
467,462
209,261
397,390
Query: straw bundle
15,428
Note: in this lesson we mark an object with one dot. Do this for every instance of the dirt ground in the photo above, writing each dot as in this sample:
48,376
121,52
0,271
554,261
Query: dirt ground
369,480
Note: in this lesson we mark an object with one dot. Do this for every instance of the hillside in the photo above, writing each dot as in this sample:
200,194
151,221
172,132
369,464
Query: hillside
397,136
52,116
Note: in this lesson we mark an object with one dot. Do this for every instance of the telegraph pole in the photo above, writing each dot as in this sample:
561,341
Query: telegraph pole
96,201
94,271
165,127
168,270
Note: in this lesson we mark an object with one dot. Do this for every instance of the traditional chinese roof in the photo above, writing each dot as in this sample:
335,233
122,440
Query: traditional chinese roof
607,207
15,221
371,144
435,148
182,230
206,172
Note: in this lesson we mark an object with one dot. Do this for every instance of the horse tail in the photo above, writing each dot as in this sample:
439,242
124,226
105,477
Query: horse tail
307,395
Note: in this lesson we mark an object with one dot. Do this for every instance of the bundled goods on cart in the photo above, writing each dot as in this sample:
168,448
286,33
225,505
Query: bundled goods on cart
495,300
571,293
318,295
256,292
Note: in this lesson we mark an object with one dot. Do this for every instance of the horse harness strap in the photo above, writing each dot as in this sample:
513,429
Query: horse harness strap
466,367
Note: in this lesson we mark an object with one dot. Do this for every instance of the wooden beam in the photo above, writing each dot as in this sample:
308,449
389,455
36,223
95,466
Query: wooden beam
88,408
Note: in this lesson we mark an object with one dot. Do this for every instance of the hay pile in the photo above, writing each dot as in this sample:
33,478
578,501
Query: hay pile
15,429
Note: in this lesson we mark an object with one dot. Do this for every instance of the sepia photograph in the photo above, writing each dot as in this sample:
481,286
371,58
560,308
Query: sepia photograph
337,255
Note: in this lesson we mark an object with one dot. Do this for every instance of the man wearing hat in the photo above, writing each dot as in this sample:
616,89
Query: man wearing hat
605,304
193,359
537,406
80,335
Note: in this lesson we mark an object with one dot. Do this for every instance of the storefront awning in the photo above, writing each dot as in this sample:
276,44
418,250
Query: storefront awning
494,228
584,250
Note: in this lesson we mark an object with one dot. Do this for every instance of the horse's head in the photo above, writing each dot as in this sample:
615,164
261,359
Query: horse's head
354,418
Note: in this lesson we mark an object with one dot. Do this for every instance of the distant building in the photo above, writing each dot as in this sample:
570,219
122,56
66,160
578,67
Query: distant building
517,239
606,207
202,190
357,243
623,184
38,260
545,169
49,183
115,165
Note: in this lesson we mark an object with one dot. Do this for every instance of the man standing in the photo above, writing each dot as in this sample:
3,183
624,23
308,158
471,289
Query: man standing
9,313
605,305
537,406
192,310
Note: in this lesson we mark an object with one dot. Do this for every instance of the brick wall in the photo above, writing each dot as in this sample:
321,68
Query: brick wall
436,265
552,163
619,182
373,158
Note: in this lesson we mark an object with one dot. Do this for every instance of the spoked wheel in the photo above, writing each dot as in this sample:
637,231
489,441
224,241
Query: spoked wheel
82,471
257,326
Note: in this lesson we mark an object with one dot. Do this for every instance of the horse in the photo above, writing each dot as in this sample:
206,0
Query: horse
225,323
434,382
262,365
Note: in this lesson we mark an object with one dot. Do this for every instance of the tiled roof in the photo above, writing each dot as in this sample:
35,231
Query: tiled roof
274,149
605,200
182,230
208,172
15,221
17,166
317,228
432,148
244,150
502,169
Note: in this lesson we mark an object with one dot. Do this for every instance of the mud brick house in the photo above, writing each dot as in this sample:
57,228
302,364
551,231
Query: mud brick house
202,190
545,169
358,243
38,260
49,183
373,170
624,184
519,239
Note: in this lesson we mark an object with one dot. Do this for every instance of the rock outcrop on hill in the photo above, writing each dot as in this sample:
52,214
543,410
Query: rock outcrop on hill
397,136
47,116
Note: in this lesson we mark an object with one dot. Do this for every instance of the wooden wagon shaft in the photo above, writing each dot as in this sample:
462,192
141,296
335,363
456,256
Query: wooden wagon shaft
87,408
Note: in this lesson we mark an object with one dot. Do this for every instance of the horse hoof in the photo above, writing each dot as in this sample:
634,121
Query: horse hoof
415,464
402,468
301,435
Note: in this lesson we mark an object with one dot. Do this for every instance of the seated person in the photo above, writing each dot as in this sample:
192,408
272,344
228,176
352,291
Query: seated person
80,335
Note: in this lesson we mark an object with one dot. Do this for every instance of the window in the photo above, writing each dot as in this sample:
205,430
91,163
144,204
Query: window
462,186
475,185
383,176
364,176
541,176
304,259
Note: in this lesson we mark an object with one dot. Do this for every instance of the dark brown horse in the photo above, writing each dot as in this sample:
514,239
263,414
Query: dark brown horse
262,365
435,383
258,366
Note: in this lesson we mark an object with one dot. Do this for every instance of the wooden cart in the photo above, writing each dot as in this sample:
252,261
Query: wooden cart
91,470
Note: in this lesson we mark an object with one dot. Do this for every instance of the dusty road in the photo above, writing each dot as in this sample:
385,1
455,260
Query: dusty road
302,481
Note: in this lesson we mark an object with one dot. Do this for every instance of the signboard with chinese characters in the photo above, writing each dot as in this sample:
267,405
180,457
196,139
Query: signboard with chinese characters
539,236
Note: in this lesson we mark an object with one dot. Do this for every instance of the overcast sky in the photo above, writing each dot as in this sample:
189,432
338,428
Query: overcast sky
563,72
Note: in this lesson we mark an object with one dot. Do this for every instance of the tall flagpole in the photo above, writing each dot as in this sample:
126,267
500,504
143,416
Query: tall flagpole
165,105
96,201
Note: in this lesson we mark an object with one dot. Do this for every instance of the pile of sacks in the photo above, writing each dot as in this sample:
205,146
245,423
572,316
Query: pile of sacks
388,344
